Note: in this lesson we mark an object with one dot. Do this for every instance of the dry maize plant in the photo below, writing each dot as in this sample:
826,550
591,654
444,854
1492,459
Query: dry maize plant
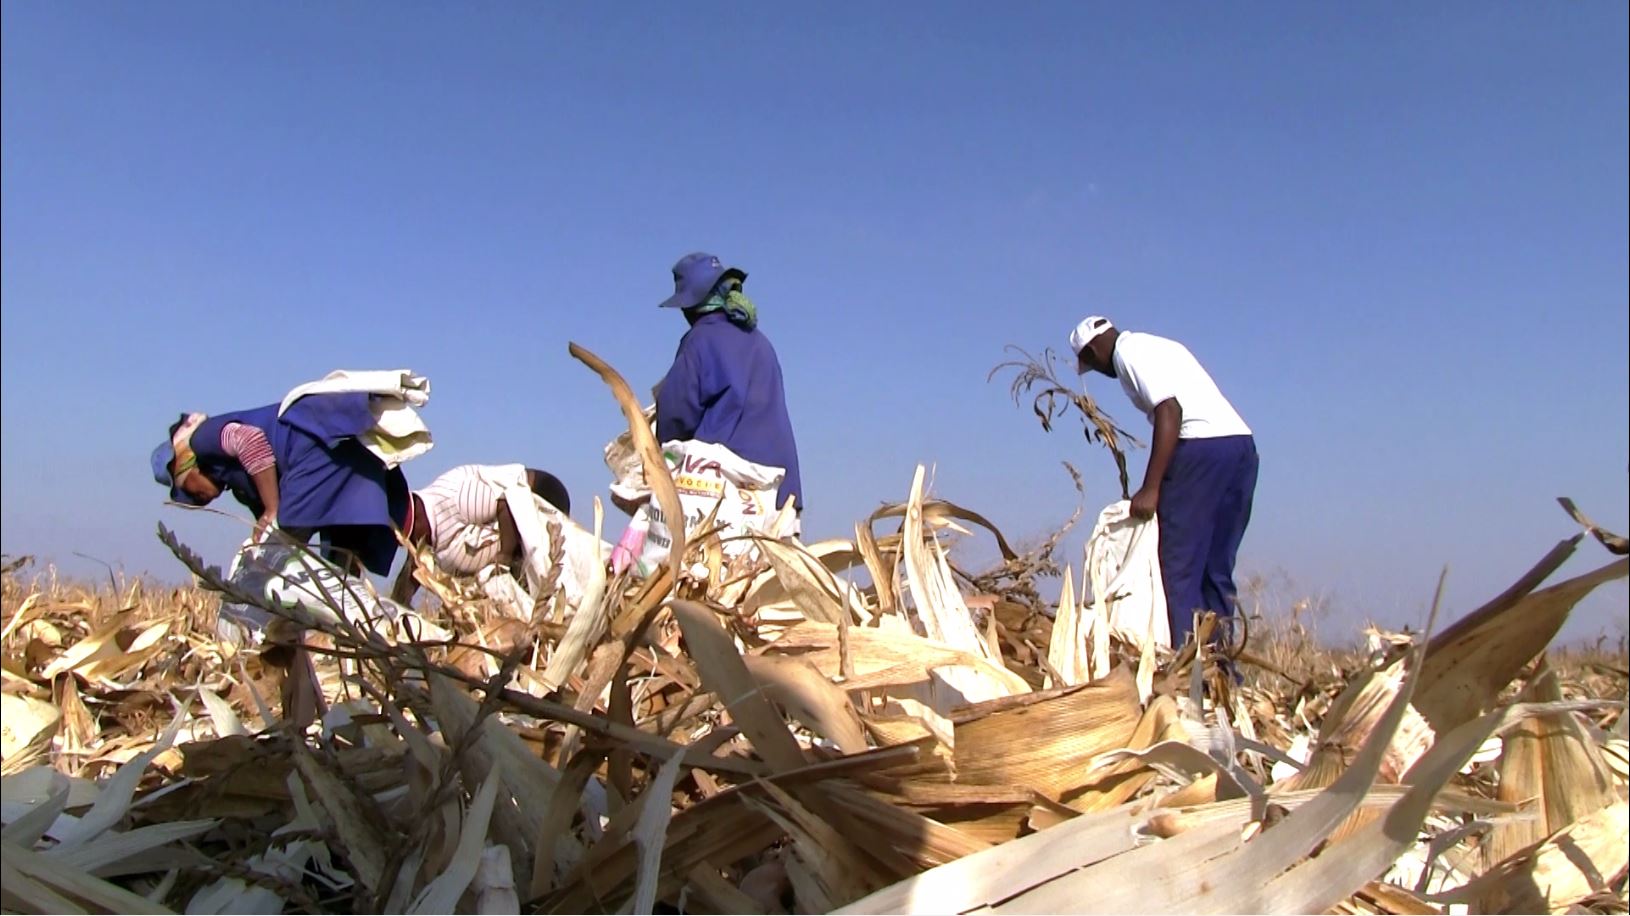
854,725
1054,400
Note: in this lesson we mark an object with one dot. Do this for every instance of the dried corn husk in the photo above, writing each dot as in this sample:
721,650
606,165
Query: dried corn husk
768,736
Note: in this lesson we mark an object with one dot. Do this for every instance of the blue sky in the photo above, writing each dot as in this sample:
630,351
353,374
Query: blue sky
1395,234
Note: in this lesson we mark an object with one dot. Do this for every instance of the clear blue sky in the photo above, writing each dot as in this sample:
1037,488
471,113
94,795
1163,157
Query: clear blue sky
1396,235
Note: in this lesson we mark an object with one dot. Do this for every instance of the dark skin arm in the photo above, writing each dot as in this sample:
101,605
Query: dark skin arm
509,539
405,586
266,485
1168,419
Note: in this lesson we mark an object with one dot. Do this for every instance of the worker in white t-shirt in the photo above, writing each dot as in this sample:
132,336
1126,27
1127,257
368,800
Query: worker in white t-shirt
1202,464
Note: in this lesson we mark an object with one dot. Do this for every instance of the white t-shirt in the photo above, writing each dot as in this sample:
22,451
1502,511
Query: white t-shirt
1152,369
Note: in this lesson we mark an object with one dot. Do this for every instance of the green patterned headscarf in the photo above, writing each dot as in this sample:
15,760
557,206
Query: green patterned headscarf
729,298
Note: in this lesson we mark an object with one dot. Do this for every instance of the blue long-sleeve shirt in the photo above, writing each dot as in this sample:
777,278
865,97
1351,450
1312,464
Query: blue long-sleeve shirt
725,387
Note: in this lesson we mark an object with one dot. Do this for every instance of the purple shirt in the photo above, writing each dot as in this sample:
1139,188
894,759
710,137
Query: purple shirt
725,387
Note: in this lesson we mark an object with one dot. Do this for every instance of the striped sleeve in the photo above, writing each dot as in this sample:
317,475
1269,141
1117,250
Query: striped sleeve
248,444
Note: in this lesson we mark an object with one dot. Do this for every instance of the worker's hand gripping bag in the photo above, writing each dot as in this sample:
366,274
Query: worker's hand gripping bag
712,481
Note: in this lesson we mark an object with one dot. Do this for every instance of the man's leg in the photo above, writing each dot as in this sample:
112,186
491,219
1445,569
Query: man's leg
1185,513
1233,514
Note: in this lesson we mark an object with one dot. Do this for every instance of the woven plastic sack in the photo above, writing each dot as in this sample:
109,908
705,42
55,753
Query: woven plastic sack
713,481
291,576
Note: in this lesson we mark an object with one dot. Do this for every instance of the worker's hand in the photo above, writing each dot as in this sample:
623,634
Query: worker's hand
264,526
1145,502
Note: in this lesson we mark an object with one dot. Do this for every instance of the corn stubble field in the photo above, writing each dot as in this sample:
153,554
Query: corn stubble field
763,736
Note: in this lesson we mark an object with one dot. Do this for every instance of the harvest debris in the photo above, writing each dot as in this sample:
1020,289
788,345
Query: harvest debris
789,740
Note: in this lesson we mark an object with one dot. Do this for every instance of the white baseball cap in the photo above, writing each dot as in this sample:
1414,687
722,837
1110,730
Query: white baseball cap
1087,331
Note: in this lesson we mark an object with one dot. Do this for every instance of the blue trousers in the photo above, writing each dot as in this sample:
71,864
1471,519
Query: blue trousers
1205,504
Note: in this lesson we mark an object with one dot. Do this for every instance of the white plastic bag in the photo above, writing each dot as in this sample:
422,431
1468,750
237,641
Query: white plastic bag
398,434
1123,561
627,472
708,476
581,552
291,576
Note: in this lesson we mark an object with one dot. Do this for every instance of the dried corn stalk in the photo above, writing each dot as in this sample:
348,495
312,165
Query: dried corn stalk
780,738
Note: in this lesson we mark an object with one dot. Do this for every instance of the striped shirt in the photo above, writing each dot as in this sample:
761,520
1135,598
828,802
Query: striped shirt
248,444
462,509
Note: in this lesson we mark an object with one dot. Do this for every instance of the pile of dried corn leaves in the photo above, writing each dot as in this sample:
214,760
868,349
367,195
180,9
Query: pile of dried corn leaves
777,738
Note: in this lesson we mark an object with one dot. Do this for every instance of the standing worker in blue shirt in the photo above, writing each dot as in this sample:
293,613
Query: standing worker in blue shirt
725,384
1202,464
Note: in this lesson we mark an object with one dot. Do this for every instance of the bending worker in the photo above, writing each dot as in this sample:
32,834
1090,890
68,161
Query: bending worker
725,384
465,517
305,471
1202,468
309,468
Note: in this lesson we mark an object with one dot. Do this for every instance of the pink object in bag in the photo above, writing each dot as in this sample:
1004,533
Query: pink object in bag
629,546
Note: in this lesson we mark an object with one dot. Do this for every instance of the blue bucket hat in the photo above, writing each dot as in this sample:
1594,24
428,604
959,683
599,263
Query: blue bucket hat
695,276
162,456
